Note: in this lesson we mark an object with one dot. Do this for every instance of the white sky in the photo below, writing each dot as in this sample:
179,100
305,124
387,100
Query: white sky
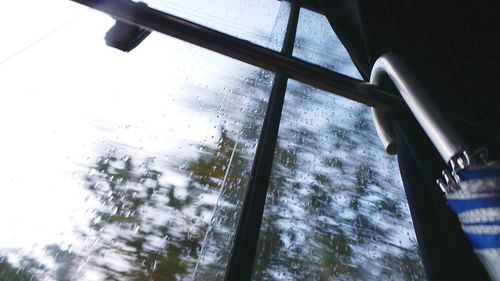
67,94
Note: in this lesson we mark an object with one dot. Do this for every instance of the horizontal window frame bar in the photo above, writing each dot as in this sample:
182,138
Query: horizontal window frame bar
141,15
137,13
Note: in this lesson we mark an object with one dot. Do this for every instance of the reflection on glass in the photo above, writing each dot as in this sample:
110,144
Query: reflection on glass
248,20
215,256
317,43
113,163
336,209
218,243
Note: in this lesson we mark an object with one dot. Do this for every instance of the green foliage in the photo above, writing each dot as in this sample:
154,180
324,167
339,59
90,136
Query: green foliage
127,190
286,157
317,224
334,162
364,176
391,207
210,168
10,272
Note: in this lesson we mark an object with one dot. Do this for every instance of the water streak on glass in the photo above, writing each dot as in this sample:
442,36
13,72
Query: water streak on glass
112,163
248,20
215,256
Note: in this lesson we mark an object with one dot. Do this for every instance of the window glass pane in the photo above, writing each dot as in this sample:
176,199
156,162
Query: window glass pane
112,163
317,43
336,209
215,255
249,20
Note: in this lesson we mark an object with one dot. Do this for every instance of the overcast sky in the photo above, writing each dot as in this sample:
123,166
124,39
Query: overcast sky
63,94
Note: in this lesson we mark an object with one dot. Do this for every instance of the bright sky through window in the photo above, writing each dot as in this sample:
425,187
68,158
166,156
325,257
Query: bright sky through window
133,166
68,100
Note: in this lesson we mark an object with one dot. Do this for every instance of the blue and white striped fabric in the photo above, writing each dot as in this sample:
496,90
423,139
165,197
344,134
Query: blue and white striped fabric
477,205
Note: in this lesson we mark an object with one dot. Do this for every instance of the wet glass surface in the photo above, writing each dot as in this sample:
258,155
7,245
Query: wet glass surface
248,20
214,255
133,166
336,208
317,43
113,163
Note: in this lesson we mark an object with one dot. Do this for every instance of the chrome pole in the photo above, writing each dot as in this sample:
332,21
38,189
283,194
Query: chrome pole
446,140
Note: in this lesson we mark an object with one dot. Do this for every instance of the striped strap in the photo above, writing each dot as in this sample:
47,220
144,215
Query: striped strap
477,205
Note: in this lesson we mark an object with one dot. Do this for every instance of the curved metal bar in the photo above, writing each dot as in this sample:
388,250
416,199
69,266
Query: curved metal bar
381,119
439,131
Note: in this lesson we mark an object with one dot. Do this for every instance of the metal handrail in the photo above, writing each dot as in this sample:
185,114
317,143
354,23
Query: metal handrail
382,121
446,140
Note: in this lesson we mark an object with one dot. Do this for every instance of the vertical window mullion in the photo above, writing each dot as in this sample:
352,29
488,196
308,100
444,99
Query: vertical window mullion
247,232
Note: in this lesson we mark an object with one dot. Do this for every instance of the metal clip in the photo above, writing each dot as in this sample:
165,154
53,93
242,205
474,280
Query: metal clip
459,161
442,185
449,183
